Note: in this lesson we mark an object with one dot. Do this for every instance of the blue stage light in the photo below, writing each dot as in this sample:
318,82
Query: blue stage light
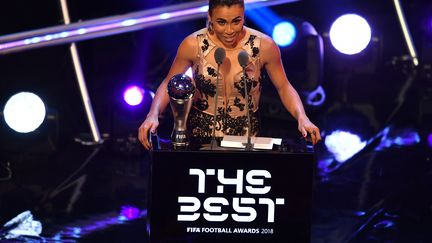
315,97
398,137
284,33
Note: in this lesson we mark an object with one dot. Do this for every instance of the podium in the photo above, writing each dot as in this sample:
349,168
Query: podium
230,196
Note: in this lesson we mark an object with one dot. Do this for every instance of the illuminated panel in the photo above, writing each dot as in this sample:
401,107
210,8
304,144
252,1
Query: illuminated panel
113,25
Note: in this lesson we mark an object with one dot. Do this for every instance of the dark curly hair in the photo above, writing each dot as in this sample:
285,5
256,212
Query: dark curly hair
215,3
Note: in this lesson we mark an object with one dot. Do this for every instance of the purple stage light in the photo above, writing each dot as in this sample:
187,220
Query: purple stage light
133,95
430,140
130,212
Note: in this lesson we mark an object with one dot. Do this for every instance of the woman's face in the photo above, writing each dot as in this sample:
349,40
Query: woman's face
227,24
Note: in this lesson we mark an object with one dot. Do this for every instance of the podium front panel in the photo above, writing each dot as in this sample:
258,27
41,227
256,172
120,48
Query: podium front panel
214,196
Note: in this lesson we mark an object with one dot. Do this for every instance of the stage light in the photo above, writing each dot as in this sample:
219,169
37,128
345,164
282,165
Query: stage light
315,97
129,213
22,224
114,25
284,33
346,130
398,137
430,140
343,144
133,95
264,18
129,22
407,138
24,112
350,34
132,104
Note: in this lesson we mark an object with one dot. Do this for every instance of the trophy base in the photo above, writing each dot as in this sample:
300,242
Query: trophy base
180,146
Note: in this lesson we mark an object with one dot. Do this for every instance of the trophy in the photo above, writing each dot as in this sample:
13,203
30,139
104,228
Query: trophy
181,90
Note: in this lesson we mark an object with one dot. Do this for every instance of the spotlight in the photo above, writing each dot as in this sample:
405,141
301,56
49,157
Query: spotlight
132,103
129,212
284,33
343,144
133,95
24,112
346,130
29,130
350,34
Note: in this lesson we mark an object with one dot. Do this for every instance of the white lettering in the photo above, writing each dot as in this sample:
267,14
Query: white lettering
239,209
209,207
271,207
238,181
196,204
201,179
218,209
250,178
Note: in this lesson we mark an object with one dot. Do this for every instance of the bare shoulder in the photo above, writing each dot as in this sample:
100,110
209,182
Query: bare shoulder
266,41
269,50
268,44
189,46
191,40
267,47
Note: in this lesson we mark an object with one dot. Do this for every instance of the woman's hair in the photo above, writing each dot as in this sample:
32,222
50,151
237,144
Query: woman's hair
216,3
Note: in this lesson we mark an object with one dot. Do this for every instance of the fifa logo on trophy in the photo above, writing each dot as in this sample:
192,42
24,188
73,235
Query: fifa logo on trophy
181,91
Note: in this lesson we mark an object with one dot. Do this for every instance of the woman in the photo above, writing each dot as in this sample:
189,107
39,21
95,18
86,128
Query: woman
226,29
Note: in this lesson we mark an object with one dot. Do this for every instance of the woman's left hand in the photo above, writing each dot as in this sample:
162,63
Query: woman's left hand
305,126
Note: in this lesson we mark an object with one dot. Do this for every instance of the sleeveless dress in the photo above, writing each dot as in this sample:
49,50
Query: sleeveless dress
231,113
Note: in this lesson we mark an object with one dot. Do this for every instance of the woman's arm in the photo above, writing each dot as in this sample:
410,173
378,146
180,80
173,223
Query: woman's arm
271,59
186,54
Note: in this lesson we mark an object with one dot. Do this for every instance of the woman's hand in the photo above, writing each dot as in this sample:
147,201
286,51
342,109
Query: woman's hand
150,123
305,126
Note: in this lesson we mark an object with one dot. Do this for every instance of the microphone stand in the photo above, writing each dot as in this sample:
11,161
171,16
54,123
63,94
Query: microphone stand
213,142
248,146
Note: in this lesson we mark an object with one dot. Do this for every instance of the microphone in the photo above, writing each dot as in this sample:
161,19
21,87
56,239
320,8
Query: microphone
243,59
219,57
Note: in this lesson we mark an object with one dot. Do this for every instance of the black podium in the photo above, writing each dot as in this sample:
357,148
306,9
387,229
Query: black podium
230,196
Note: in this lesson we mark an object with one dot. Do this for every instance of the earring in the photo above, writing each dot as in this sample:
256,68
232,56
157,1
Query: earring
210,27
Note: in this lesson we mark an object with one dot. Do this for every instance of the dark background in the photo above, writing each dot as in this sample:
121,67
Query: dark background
362,96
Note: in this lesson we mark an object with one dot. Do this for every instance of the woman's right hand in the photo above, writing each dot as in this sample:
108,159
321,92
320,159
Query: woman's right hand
150,123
